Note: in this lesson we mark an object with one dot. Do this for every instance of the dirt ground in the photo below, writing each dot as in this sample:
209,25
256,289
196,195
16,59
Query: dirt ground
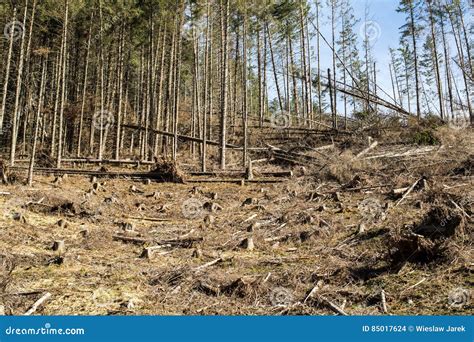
331,239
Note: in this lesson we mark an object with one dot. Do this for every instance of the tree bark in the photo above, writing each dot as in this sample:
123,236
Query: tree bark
15,115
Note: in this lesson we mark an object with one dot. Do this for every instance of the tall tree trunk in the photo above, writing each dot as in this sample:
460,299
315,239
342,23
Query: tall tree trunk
466,36
333,35
120,99
236,78
274,67
84,90
318,53
207,77
177,82
7,75
331,95
27,78
16,114
245,94
259,76
224,4
393,83
304,64
309,77
102,84
63,91
169,91
54,125
293,76
36,123
446,62
160,92
439,85
407,84
415,59
457,40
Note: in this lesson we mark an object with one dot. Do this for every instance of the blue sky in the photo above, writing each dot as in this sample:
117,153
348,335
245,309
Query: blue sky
383,13
385,22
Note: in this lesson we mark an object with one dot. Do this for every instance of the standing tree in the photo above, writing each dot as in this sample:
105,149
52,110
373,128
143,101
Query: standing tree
411,29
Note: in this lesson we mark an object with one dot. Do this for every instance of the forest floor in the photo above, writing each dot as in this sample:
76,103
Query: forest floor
363,234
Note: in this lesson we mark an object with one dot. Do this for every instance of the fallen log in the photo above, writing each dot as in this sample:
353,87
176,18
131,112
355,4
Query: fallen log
107,161
180,136
332,306
142,175
182,243
397,154
151,219
236,180
405,195
37,304
128,239
365,151
99,174
239,173
384,302
208,264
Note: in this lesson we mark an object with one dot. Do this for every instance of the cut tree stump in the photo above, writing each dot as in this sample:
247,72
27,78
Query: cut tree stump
248,244
59,246
62,223
150,252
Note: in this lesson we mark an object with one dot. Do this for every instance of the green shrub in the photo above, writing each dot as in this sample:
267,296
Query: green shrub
425,137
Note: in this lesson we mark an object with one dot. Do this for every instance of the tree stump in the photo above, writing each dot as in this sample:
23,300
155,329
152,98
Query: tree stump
84,232
248,244
62,223
59,246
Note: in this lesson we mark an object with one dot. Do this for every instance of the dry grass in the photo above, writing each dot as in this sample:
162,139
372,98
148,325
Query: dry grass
305,235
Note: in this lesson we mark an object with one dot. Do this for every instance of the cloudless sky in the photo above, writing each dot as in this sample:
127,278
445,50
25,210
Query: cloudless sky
384,14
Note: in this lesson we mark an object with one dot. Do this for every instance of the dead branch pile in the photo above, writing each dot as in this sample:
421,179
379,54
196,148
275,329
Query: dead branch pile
167,171
433,237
